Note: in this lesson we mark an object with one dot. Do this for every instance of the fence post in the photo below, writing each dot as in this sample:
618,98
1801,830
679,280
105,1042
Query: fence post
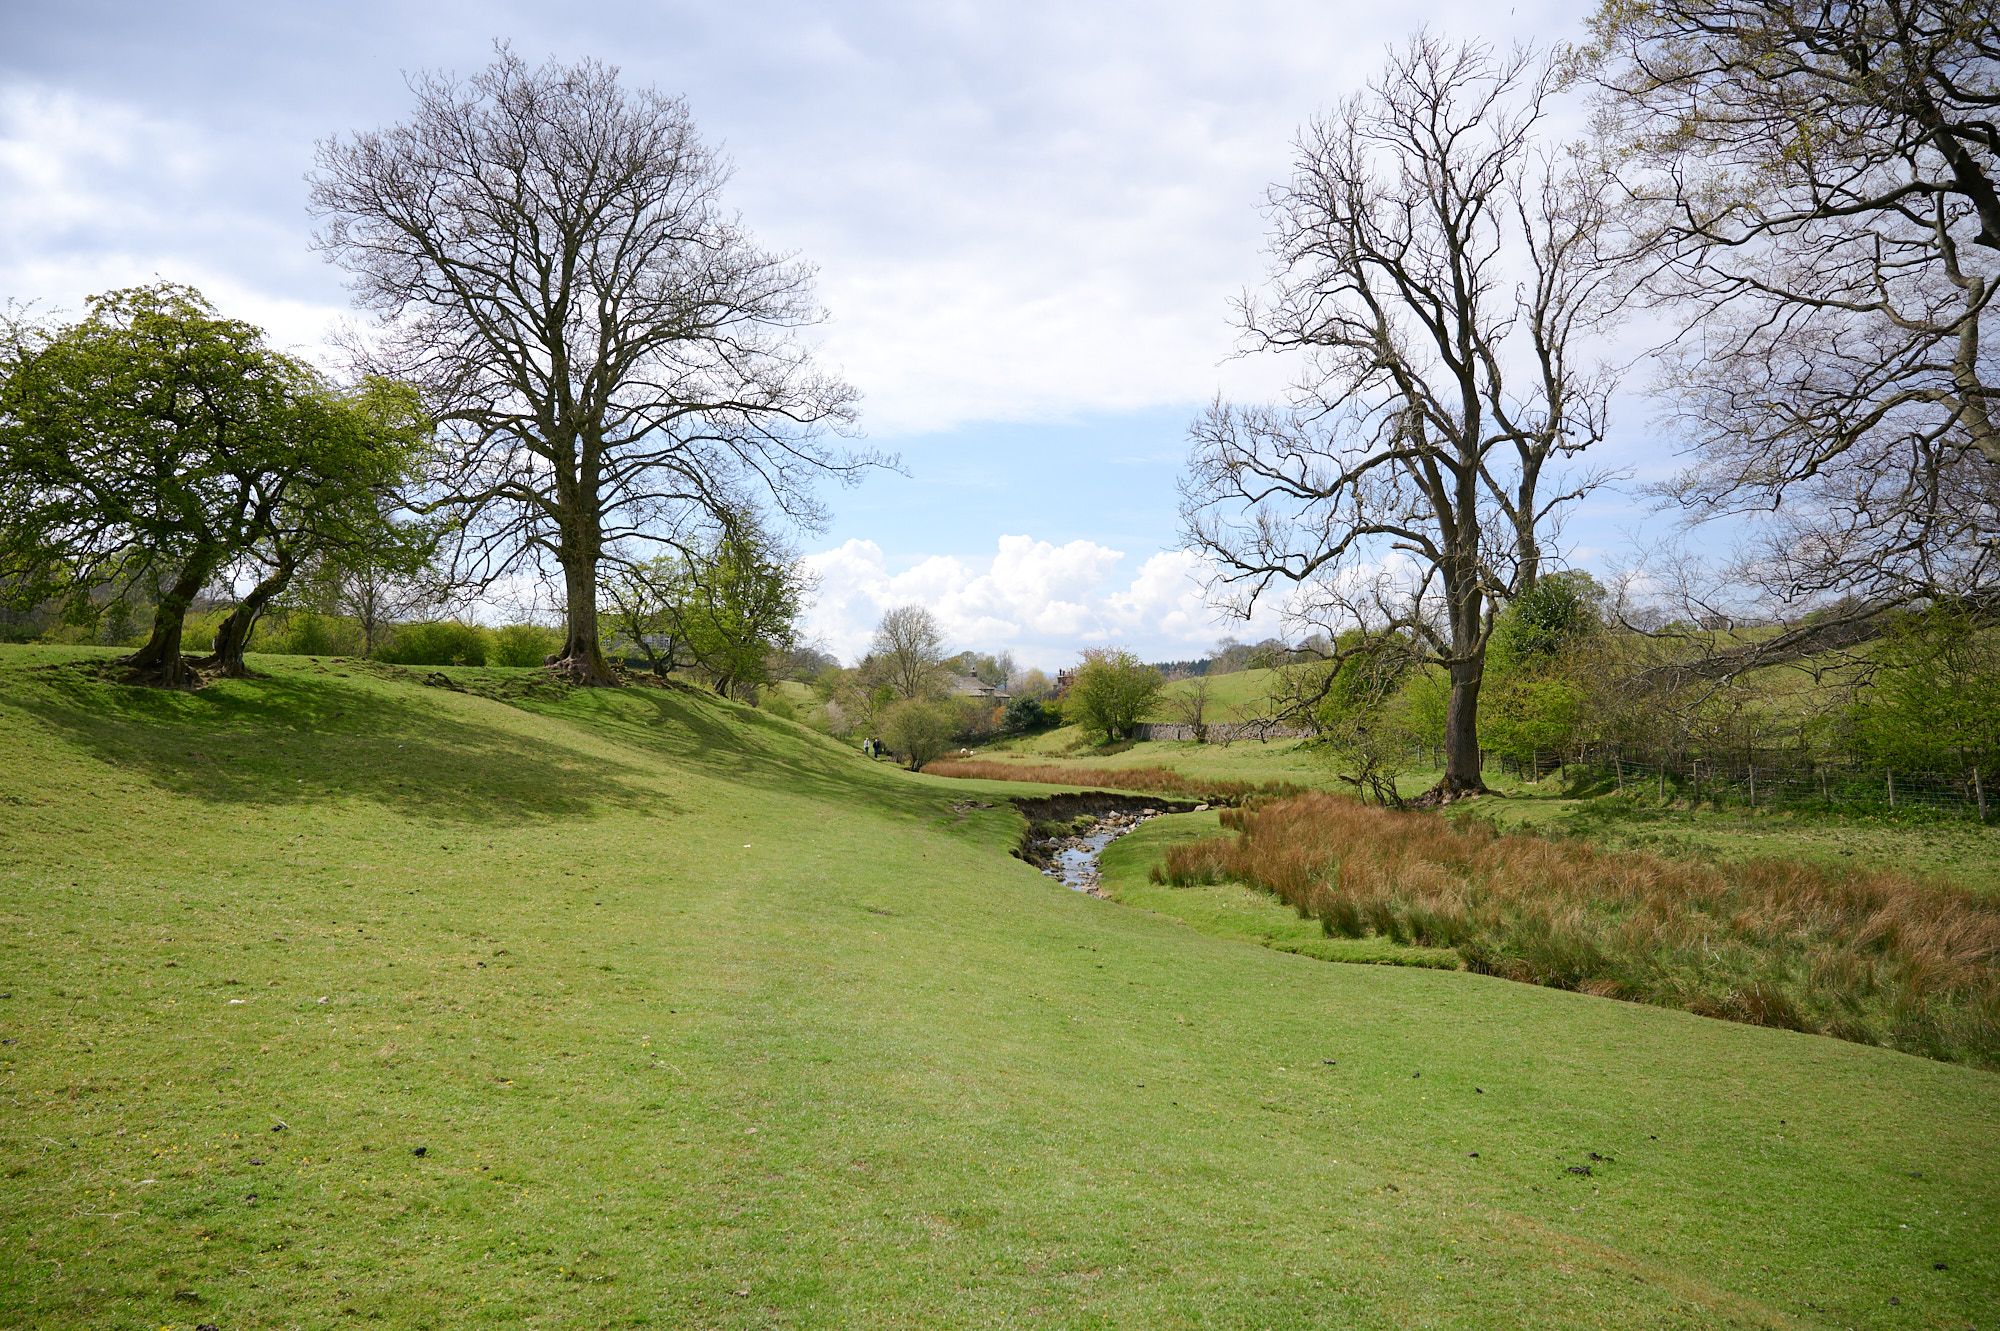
1753,785
1663,783
1695,803
1890,772
1824,797
1979,792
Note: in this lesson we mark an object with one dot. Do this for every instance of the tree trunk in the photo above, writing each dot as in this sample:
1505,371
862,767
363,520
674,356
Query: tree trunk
234,635
160,661
582,655
1461,733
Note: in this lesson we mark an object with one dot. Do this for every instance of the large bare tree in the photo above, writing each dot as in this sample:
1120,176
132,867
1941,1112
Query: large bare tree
1440,276
1817,185
605,349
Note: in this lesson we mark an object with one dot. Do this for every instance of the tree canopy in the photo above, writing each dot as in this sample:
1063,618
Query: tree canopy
155,438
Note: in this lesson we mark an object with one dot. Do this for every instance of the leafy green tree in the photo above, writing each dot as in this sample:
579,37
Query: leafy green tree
156,439
736,603
1546,621
1360,730
1536,699
1113,689
341,509
1935,703
918,730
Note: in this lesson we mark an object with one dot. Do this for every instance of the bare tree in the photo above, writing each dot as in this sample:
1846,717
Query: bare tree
1817,184
604,347
910,646
1190,705
1441,277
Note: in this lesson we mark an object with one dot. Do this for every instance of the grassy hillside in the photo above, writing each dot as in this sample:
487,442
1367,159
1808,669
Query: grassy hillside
701,1020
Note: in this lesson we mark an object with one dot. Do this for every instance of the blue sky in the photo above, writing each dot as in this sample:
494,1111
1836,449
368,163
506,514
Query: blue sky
1028,220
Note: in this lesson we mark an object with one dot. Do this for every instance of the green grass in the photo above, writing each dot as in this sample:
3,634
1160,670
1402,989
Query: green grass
702,1020
1918,841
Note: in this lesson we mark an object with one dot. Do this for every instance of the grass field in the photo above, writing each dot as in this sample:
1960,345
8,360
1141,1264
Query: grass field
702,1020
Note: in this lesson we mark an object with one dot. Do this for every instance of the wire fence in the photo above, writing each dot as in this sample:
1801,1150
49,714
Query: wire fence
1768,780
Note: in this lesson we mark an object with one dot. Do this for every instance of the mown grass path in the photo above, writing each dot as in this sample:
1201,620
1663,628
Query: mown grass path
701,1020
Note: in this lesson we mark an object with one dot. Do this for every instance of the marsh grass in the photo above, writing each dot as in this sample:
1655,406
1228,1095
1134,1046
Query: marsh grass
1163,780
1865,955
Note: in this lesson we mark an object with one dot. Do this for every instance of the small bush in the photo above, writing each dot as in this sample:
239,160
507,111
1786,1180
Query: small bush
523,645
778,703
1024,715
920,731
308,634
441,642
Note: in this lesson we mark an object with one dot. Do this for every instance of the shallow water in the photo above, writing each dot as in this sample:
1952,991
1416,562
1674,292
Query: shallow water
1076,859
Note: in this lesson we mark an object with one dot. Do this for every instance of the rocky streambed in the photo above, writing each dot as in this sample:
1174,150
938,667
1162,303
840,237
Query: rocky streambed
1066,833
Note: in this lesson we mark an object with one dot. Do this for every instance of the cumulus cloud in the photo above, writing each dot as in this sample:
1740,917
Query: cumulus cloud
1041,601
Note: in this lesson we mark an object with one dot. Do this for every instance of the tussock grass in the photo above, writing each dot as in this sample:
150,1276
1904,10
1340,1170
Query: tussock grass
1870,956
1164,780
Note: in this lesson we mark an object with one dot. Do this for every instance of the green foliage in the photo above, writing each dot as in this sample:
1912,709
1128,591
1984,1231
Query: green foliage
305,633
1550,618
1936,700
1422,705
773,699
521,645
1113,689
1360,730
156,440
439,642
919,730
1523,716
724,608
1023,715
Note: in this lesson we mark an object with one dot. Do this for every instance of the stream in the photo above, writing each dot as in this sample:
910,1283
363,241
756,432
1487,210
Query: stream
1066,833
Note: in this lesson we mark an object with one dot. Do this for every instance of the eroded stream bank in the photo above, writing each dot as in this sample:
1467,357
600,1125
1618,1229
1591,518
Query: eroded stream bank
1066,833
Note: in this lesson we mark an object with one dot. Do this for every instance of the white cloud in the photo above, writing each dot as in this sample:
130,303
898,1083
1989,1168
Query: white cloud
1042,602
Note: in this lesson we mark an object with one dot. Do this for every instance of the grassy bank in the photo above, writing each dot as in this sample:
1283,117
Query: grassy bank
701,1020
1157,780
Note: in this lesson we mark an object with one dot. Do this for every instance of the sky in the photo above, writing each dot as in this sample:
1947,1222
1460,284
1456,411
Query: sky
1028,220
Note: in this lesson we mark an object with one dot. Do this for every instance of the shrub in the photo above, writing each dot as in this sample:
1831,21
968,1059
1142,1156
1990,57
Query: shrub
1023,715
918,730
775,701
307,634
440,642
523,645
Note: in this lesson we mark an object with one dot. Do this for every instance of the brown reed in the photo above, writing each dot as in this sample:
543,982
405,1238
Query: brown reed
1870,956
1162,780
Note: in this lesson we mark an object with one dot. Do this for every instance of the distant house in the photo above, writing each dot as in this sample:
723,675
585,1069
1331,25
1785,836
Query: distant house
971,686
1064,678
